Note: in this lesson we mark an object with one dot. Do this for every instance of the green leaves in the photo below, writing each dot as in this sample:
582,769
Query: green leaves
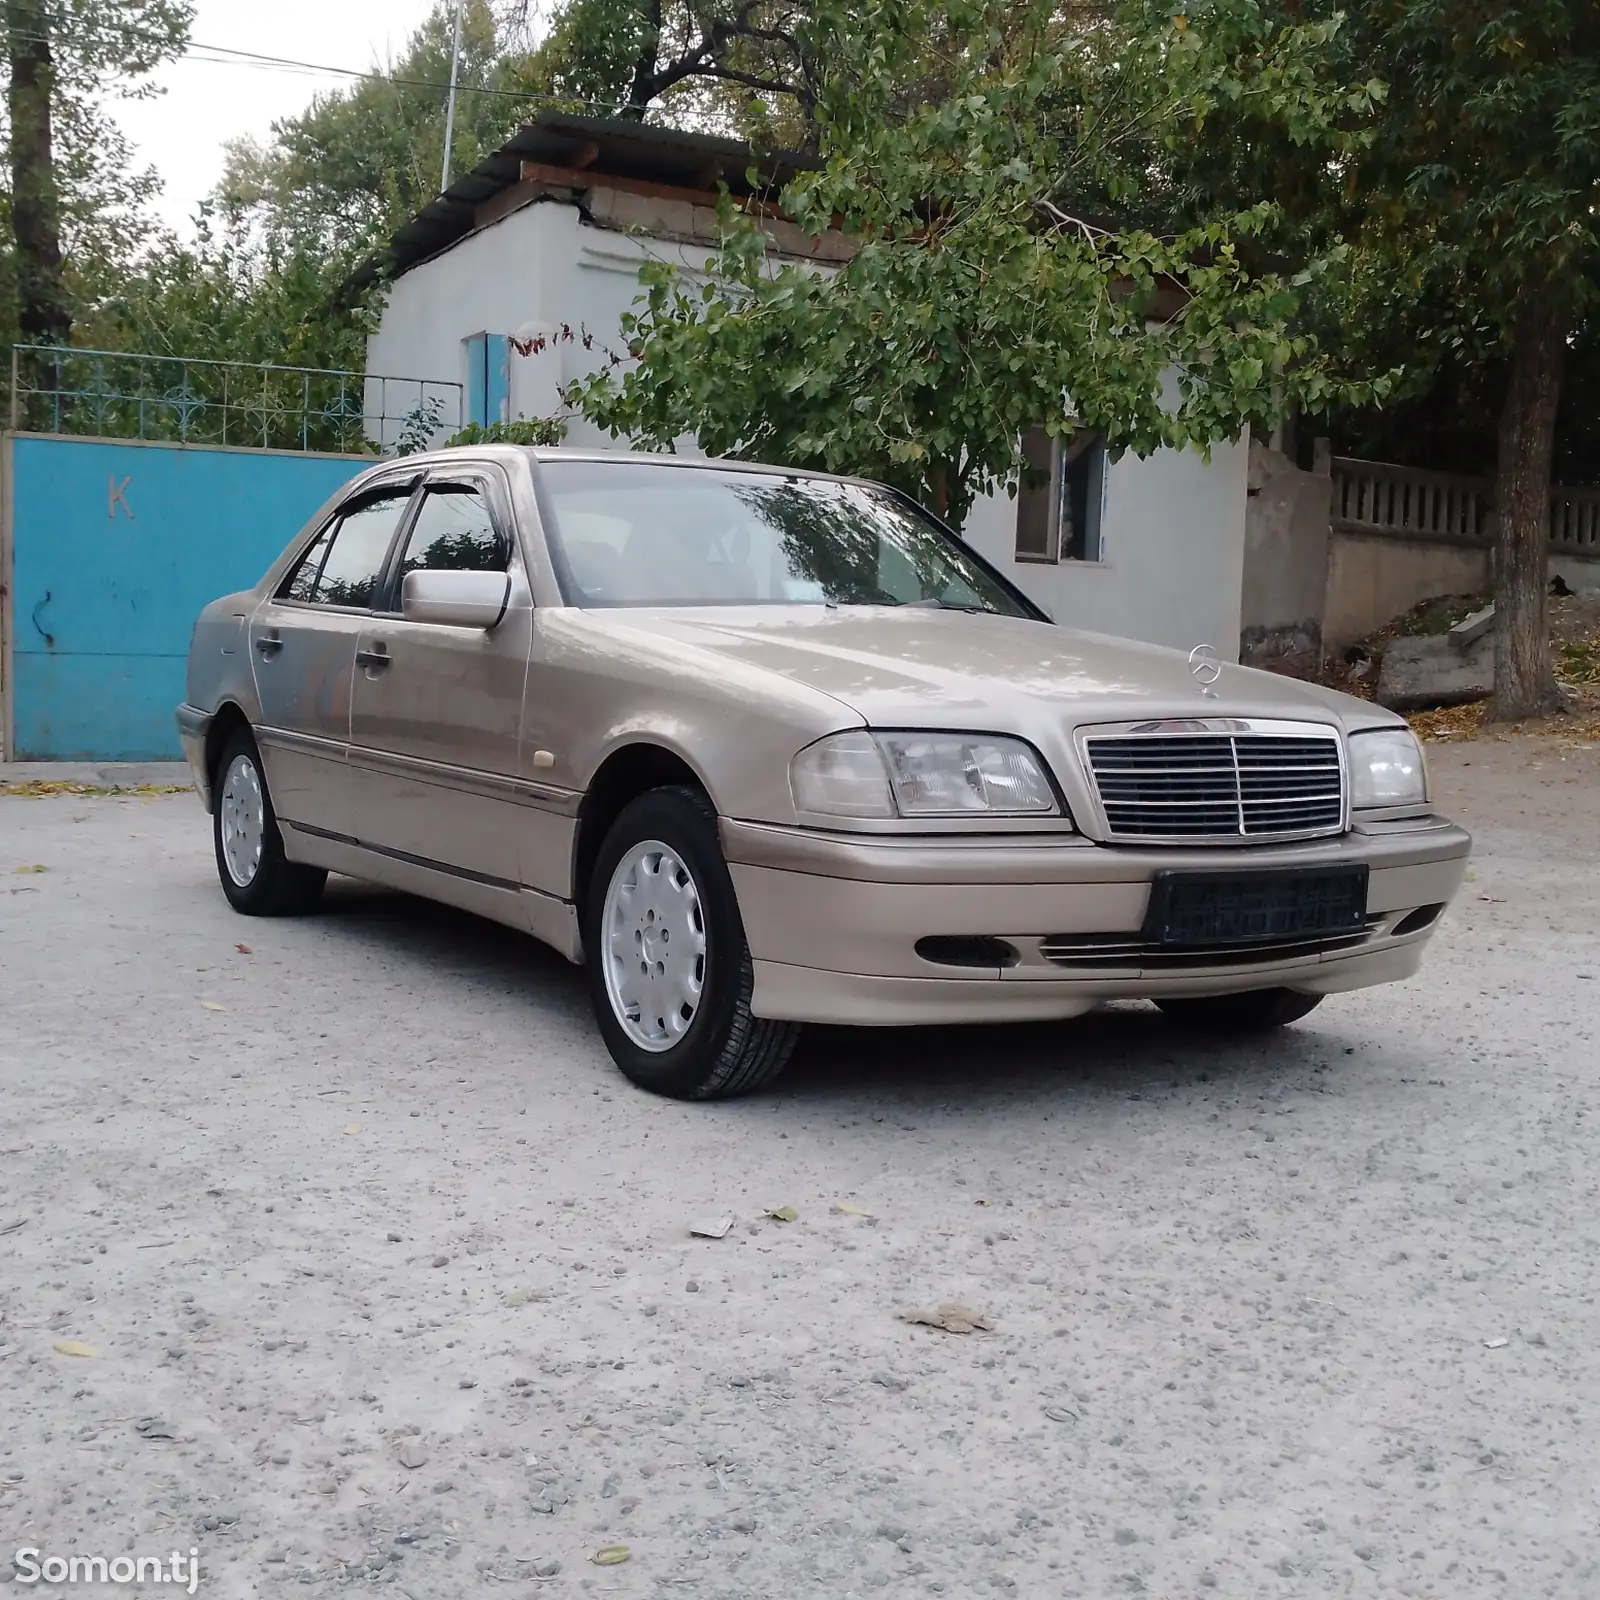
992,274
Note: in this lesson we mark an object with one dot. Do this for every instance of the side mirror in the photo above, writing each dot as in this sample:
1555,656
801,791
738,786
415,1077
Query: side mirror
455,599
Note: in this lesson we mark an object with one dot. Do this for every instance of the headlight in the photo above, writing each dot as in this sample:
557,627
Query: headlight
842,776
1387,769
863,774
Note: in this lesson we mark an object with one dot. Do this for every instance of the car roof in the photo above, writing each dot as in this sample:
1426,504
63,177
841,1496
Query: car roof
545,454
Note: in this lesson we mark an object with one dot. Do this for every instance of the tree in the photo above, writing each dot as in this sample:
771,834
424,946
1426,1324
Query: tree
992,289
64,59
1485,180
740,64
1471,215
359,161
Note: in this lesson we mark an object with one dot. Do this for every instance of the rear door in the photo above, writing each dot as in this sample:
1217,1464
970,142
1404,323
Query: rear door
302,646
437,710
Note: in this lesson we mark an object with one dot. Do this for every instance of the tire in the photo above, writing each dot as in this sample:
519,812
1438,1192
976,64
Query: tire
680,1025
1254,1011
258,879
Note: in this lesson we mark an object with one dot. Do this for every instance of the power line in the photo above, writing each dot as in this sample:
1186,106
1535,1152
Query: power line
254,58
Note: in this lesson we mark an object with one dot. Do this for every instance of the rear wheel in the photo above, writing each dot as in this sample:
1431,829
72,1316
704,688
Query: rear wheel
257,877
1255,1011
669,969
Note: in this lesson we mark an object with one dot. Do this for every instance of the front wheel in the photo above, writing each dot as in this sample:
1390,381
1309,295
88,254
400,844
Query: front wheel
257,877
1254,1011
669,969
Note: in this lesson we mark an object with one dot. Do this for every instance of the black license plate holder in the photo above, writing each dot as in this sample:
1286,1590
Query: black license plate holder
1193,910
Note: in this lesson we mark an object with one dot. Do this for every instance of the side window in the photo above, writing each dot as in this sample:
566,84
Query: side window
454,533
302,584
1058,503
342,567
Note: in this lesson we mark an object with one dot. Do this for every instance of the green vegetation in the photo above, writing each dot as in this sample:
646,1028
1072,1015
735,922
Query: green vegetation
1164,220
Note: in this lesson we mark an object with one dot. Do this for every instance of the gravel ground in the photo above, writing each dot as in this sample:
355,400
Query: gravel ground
389,1284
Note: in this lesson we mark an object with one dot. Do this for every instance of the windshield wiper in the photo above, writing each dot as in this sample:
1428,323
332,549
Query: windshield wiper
934,603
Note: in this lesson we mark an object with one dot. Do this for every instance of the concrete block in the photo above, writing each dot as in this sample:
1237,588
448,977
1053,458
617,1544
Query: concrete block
1470,630
1419,674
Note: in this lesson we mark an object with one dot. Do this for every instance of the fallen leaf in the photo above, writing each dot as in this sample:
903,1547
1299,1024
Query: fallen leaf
154,1428
711,1227
11,1227
35,868
355,1127
980,1202
610,1555
1060,1414
211,1005
243,949
518,1297
784,1214
74,1347
951,1316
850,1208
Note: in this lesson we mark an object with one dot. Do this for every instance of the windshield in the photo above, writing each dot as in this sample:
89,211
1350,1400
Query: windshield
631,533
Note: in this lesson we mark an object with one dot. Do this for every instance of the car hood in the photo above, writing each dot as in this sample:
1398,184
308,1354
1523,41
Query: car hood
911,667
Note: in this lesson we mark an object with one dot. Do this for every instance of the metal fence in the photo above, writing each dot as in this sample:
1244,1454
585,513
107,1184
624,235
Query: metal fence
113,395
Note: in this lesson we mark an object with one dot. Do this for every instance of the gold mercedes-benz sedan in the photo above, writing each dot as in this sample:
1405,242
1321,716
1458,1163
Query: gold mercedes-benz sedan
760,747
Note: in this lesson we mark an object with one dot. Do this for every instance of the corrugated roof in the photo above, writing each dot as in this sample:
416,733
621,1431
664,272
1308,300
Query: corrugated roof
599,146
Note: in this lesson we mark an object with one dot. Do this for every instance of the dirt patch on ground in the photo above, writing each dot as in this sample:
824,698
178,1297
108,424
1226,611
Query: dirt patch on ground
1574,638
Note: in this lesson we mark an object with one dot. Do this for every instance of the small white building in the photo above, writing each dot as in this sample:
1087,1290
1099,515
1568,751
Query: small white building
515,281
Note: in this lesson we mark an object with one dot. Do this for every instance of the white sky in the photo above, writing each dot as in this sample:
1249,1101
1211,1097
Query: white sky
207,102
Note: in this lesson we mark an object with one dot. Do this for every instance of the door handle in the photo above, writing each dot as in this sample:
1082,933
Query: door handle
269,644
374,660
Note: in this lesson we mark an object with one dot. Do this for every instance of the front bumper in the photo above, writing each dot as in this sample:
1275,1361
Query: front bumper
194,726
833,920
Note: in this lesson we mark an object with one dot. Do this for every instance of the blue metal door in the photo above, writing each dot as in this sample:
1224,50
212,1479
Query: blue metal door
110,549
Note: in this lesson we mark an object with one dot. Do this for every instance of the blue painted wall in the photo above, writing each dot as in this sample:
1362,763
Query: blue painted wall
115,549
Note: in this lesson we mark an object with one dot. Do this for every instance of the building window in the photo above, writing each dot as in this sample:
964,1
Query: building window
1058,503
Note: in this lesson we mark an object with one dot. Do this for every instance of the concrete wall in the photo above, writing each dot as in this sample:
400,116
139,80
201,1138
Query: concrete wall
527,275
1173,525
1285,561
1172,537
1374,578
1313,587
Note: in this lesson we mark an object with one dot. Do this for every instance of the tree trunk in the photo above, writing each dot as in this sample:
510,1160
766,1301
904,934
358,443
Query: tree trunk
645,83
1524,676
43,316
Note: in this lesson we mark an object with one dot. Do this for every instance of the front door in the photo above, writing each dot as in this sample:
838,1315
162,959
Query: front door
436,711
303,644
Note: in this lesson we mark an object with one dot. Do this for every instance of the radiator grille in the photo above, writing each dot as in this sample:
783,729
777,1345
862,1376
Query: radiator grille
1191,787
